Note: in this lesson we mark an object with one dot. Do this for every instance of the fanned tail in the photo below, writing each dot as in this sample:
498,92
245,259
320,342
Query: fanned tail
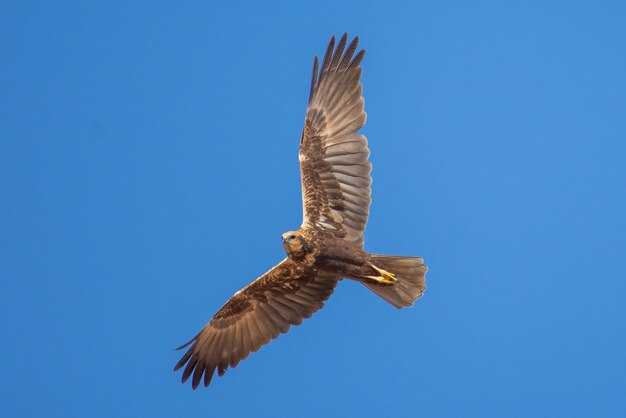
411,275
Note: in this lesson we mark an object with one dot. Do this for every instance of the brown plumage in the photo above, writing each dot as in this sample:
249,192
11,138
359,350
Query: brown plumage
328,246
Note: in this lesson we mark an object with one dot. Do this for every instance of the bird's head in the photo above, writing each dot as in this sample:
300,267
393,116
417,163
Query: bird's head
294,244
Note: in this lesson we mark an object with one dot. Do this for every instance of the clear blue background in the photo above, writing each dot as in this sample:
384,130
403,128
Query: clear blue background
148,165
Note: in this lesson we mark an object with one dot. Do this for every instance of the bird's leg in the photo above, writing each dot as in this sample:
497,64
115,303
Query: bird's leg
385,276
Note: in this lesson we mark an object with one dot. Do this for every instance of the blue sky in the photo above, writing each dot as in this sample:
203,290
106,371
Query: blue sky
148,165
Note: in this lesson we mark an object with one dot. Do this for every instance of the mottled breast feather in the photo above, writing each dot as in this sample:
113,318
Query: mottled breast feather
333,157
258,313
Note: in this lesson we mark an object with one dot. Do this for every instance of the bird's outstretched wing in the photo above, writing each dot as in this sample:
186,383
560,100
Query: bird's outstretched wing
333,156
255,315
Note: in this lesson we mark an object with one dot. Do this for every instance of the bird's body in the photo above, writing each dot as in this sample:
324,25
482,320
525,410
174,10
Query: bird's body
328,246
323,252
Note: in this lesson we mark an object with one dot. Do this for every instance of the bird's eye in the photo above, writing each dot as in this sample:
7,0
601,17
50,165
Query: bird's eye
291,237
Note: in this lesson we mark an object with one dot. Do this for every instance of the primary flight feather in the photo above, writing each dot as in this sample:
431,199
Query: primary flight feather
328,246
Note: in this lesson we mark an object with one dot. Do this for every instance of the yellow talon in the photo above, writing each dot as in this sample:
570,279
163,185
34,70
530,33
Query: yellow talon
385,276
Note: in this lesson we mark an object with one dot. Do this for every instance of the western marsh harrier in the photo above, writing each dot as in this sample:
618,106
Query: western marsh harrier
328,246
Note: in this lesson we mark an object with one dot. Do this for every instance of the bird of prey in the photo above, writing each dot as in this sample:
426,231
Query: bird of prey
328,246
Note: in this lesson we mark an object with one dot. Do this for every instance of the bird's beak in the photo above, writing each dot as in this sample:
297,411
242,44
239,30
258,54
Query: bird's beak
284,239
